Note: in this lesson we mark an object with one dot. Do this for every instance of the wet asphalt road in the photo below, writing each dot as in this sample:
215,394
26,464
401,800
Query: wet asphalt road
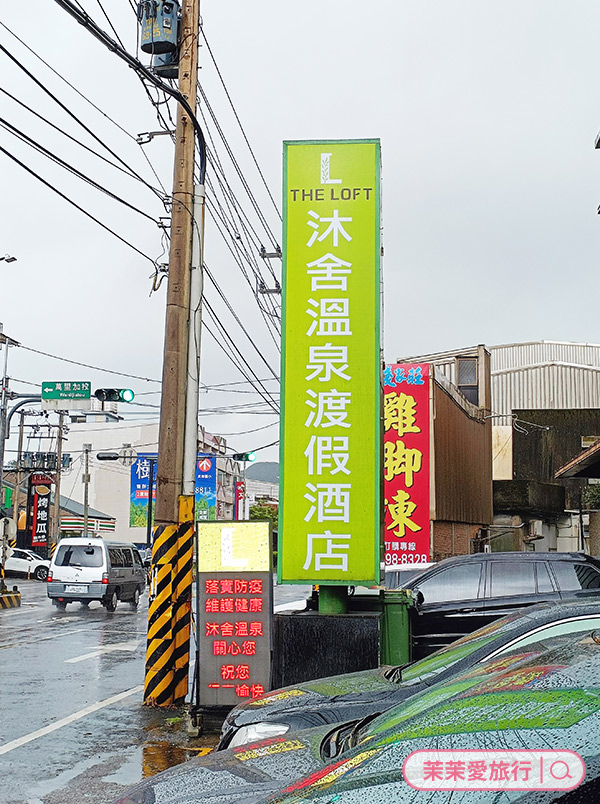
72,727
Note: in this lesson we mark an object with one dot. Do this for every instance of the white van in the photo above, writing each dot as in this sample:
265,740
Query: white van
86,569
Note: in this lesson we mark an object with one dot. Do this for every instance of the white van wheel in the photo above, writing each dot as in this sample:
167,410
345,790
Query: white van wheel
135,599
111,603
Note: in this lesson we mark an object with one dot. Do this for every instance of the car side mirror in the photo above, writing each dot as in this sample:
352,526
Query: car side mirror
419,599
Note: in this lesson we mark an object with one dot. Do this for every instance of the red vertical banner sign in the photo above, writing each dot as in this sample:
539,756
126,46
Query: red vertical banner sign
406,463
240,500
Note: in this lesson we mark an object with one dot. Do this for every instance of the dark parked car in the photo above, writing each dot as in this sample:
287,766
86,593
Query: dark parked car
464,593
545,697
356,695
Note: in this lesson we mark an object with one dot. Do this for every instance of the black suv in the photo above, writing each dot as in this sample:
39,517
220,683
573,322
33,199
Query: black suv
464,593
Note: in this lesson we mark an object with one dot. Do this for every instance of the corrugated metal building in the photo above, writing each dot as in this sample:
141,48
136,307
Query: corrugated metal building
537,375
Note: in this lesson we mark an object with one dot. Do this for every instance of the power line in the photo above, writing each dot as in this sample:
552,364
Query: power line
77,206
127,171
87,365
234,314
237,167
142,72
73,115
229,350
240,123
112,27
62,78
57,159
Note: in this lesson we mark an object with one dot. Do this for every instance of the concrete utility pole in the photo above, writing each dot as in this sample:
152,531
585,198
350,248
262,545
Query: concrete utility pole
7,342
54,534
87,448
167,653
169,481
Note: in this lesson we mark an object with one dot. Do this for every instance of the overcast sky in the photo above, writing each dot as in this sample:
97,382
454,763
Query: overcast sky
487,115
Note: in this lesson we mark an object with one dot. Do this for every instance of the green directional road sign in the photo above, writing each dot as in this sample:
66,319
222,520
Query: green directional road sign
66,390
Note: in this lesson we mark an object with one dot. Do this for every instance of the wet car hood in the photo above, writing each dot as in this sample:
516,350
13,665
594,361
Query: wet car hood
314,703
235,776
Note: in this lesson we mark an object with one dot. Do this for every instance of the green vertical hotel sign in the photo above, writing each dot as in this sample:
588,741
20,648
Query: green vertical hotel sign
330,452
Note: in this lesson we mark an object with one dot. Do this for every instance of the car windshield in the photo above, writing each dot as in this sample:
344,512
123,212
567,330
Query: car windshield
445,657
78,555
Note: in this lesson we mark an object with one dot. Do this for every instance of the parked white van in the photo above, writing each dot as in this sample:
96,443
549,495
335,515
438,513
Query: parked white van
86,569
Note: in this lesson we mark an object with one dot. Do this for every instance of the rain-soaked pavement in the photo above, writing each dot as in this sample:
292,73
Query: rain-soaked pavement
72,727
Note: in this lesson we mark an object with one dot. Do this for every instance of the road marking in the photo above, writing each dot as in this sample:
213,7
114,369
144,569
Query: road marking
34,735
131,646
40,639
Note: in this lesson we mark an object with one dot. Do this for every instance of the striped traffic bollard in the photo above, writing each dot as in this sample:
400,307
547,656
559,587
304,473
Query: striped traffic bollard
10,600
159,678
182,608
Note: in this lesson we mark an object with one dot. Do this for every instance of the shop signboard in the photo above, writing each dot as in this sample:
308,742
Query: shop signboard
329,528
235,611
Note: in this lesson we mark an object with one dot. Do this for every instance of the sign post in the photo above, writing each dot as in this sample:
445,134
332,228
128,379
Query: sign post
329,527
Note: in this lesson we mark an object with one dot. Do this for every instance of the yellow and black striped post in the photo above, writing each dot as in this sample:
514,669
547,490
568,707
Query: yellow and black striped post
10,600
169,614
182,597
159,679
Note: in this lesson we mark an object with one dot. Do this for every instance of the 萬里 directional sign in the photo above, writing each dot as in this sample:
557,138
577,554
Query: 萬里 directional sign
66,390
66,395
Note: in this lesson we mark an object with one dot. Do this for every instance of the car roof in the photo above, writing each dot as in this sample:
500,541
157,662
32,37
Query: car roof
515,556
93,540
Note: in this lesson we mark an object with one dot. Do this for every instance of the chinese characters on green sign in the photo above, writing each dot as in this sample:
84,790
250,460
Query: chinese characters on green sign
330,499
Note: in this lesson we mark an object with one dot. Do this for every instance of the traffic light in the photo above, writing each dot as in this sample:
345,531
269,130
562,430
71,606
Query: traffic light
114,394
248,457
107,456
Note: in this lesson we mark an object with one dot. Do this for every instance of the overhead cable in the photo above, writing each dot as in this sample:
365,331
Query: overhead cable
143,72
240,123
77,206
41,149
126,171
74,116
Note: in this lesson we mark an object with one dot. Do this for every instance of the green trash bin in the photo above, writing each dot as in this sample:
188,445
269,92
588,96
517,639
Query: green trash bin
396,637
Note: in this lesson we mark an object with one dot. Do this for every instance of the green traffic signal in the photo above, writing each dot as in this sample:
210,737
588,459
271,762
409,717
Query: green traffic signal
114,394
247,457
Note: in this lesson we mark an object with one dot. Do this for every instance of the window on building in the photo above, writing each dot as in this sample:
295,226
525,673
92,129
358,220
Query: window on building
467,379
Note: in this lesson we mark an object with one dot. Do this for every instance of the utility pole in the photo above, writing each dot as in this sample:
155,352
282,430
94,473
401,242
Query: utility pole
55,532
86,485
8,342
19,472
169,481
167,654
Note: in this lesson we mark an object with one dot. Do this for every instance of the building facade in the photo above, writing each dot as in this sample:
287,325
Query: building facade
110,481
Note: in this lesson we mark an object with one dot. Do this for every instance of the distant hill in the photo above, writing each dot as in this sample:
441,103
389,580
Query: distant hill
265,470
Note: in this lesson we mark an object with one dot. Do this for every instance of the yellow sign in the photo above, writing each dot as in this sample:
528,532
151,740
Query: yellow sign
234,546
329,528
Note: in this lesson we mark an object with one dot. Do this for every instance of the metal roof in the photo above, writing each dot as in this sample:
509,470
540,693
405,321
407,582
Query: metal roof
585,465
534,375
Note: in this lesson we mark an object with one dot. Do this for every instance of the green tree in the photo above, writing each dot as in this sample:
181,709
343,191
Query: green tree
260,511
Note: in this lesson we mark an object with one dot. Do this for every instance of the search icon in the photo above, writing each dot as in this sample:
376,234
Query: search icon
555,775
